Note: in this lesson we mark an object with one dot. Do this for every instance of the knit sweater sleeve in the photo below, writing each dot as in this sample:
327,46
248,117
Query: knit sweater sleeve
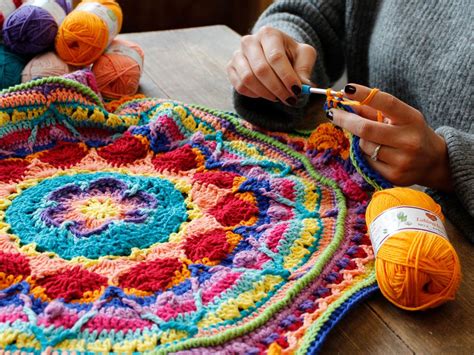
319,23
459,207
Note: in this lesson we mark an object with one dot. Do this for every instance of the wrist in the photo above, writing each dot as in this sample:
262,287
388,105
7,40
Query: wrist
440,176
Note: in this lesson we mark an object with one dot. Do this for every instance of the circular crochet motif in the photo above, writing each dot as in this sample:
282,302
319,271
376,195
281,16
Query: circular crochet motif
171,228
99,214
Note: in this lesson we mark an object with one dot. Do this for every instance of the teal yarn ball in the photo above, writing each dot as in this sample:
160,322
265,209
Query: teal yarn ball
11,66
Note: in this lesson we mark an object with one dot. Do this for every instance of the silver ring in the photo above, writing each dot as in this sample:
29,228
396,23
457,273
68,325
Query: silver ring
375,153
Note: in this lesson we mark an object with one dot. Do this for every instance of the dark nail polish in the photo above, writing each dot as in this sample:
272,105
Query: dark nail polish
291,101
296,90
349,89
329,115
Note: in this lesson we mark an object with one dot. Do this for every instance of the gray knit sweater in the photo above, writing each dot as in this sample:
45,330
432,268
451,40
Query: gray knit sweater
419,51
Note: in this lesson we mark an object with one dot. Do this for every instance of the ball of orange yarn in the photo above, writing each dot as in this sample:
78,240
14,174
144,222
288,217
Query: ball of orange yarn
416,269
88,30
44,65
119,69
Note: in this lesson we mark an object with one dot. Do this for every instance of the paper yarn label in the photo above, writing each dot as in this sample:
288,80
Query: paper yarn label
118,48
52,7
7,7
403,218
107,15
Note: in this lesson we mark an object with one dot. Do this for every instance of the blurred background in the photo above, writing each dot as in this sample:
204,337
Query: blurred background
154,15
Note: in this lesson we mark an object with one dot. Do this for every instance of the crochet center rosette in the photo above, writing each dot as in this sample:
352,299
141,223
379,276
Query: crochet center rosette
164,227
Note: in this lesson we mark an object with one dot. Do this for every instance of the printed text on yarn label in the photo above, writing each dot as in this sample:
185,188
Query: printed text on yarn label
52,7
117,48
107,15
404,218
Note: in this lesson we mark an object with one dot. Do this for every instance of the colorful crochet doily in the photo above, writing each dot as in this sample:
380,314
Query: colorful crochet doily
164,227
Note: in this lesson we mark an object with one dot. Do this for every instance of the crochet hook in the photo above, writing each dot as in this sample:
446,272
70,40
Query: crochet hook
306,89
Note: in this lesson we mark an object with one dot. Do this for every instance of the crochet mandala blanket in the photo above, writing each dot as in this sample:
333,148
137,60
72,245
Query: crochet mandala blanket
165,227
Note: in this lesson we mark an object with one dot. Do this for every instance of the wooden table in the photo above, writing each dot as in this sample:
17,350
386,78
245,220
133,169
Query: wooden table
189,66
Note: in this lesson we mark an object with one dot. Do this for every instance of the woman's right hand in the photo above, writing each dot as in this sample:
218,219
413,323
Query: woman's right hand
271,65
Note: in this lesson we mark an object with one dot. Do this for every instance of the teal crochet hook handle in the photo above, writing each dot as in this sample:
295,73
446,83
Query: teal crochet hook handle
307,90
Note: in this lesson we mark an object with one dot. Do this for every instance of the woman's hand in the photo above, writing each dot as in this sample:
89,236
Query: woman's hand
271,65
410,151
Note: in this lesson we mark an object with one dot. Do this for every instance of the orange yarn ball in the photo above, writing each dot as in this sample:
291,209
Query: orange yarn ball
87,31
415,269
119,69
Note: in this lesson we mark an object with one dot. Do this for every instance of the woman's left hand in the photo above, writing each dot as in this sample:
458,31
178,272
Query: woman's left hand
410,151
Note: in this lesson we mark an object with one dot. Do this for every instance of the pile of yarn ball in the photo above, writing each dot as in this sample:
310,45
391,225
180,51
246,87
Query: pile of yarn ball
83,38
415,270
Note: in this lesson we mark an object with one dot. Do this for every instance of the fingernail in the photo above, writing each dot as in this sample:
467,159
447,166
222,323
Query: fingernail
296,90
349,89
291,101
329,115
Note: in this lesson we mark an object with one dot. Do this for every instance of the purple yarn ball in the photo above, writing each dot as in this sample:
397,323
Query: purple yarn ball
31,29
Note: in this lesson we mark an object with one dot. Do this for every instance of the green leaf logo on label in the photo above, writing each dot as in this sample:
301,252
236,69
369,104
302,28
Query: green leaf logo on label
111,15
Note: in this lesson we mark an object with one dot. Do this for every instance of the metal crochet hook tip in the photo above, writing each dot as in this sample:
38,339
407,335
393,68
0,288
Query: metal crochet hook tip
306,89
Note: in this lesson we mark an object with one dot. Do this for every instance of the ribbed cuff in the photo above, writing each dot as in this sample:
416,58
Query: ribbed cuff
455,212
459,207
273,116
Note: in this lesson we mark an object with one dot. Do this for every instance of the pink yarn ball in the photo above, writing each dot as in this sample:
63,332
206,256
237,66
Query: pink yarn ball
44,65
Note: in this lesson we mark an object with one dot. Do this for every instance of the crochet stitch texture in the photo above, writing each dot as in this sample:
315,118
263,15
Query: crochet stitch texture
165,227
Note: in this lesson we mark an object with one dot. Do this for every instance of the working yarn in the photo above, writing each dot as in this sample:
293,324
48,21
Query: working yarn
165,227
416,266
32,28
88,31
44,65
11,66
6,8
119,69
